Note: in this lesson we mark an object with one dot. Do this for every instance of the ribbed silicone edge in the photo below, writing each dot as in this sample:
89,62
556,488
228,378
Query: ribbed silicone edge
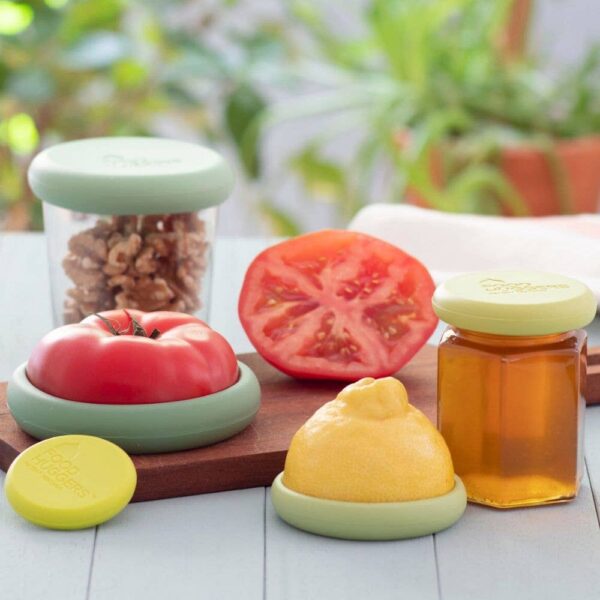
138,428
369,521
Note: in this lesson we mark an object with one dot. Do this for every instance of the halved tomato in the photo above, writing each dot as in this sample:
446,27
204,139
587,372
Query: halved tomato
337,305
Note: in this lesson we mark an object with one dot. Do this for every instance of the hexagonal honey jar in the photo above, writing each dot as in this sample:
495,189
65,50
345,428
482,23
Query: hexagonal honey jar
511,366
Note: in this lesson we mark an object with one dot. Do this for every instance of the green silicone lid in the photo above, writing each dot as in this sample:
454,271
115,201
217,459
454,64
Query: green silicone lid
514,303
369,520
138,428
130,175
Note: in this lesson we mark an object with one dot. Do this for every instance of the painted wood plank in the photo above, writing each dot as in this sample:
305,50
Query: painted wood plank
38,564
189,546
548,552
592,451
25,306
232,258
306,567
206,547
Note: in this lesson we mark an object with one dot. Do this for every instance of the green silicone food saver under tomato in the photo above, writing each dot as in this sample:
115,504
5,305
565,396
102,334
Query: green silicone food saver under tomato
139,428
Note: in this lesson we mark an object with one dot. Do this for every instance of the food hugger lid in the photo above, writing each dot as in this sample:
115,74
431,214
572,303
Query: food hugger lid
514,303
130,175
70,482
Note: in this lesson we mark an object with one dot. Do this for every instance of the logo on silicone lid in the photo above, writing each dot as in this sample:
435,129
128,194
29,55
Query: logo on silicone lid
499,286
117,160
59,471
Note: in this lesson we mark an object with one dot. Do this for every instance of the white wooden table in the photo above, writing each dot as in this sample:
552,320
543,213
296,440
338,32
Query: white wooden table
232,545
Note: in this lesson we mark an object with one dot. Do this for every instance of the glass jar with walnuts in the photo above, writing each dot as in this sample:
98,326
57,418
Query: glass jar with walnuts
130,223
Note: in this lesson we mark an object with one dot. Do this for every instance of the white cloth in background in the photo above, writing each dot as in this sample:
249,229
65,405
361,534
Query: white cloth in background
449,243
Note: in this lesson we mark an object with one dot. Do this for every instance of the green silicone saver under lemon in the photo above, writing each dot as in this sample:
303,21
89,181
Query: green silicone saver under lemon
369,520
138,428
70,482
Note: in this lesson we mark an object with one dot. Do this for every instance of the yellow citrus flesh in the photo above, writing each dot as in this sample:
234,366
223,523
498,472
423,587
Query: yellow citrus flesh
369,445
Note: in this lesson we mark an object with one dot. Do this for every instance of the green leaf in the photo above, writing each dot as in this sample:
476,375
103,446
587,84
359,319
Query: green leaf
243,108
87,16
97,50
129,74
322,177
15,17
19,133
33,85
263,45
281,223
194,63
11,183
5,72
56,4
478,183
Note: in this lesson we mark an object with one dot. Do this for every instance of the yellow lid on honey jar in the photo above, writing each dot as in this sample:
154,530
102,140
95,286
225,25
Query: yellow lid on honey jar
515,303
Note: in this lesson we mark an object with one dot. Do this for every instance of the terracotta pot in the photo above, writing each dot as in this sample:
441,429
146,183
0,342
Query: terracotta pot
529,171
514,39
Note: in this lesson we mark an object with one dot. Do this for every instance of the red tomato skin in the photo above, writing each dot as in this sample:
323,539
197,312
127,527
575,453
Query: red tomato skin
306,249
86,363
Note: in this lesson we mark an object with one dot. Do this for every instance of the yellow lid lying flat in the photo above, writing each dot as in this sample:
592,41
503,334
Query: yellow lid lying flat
70,482
514,303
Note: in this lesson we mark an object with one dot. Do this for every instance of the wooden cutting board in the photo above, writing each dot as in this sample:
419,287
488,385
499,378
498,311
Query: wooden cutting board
255,456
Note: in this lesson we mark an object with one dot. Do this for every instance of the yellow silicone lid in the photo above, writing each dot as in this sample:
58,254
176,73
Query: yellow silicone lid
516,303
70,482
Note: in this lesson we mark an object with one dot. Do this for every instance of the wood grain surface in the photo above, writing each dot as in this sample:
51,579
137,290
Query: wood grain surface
255,456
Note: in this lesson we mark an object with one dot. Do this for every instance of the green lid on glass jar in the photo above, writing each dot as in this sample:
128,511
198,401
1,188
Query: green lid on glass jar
514,303
130,175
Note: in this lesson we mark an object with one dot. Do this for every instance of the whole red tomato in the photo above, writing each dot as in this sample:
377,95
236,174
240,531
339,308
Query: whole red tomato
132,357
337,305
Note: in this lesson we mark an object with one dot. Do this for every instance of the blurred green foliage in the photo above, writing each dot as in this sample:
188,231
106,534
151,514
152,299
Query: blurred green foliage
419,77
82,68
424,81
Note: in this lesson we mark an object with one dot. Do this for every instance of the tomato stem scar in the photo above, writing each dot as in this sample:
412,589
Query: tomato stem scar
136,328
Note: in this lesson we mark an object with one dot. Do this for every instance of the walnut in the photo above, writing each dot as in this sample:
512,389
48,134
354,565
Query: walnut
125,224
148,293
145,262
122,281
82,302
151,262
161,243
83,274
87,244
190,300
124,252
71,312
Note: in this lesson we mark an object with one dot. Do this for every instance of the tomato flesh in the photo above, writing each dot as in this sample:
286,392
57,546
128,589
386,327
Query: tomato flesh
337,305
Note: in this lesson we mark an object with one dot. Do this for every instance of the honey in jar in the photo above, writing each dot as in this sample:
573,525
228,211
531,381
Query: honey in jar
511,366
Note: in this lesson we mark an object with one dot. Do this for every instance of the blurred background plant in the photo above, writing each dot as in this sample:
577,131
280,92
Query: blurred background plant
89,68
432,101
450,111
